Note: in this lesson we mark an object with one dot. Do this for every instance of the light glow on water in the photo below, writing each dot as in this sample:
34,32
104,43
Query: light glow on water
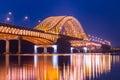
55,60
35,60
49,67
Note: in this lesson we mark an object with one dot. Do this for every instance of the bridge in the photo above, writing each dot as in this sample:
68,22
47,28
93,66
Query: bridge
47,33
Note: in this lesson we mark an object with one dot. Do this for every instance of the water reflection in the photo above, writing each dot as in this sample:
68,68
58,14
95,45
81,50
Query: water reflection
55,66
90,66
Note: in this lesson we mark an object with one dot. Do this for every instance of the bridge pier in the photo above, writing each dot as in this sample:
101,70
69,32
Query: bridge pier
19,45
63,46
55,48
36,47
7,46
71,49
74,50
79,50
13,45
45,48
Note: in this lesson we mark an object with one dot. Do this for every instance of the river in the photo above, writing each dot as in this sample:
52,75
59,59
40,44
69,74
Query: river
78,66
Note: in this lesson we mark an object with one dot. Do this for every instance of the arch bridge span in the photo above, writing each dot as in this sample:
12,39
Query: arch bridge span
65,25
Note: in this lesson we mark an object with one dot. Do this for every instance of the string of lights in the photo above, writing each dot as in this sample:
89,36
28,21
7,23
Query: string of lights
98,40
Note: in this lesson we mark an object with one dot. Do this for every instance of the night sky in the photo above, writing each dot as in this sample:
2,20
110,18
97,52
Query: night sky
100,18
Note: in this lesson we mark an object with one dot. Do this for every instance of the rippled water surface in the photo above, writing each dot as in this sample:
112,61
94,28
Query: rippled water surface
79,66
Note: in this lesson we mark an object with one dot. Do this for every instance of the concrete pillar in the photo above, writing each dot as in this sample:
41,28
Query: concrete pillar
71,49
19,46
63,46
45,49
35,49
7,46
55,48
85,50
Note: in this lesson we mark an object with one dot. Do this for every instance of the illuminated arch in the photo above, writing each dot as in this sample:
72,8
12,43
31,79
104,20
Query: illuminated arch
66,25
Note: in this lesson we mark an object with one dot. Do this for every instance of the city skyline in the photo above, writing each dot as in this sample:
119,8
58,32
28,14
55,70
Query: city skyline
98,18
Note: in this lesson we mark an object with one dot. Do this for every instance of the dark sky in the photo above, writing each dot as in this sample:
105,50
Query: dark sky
100,18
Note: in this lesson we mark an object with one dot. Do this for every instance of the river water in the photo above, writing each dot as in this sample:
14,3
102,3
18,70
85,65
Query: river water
87,66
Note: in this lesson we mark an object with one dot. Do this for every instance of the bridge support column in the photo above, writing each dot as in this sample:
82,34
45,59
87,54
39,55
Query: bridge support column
7,46
35,49
42,46
45,49
63,46
71,49
19,46
55,48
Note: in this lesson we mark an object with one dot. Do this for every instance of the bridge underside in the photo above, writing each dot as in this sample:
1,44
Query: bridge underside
34,40
42,41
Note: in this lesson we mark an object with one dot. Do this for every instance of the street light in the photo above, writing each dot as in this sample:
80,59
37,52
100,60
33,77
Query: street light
89,35
10,13
26,17
7,19
39,21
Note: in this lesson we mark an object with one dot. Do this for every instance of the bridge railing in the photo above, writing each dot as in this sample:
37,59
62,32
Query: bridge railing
20,31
